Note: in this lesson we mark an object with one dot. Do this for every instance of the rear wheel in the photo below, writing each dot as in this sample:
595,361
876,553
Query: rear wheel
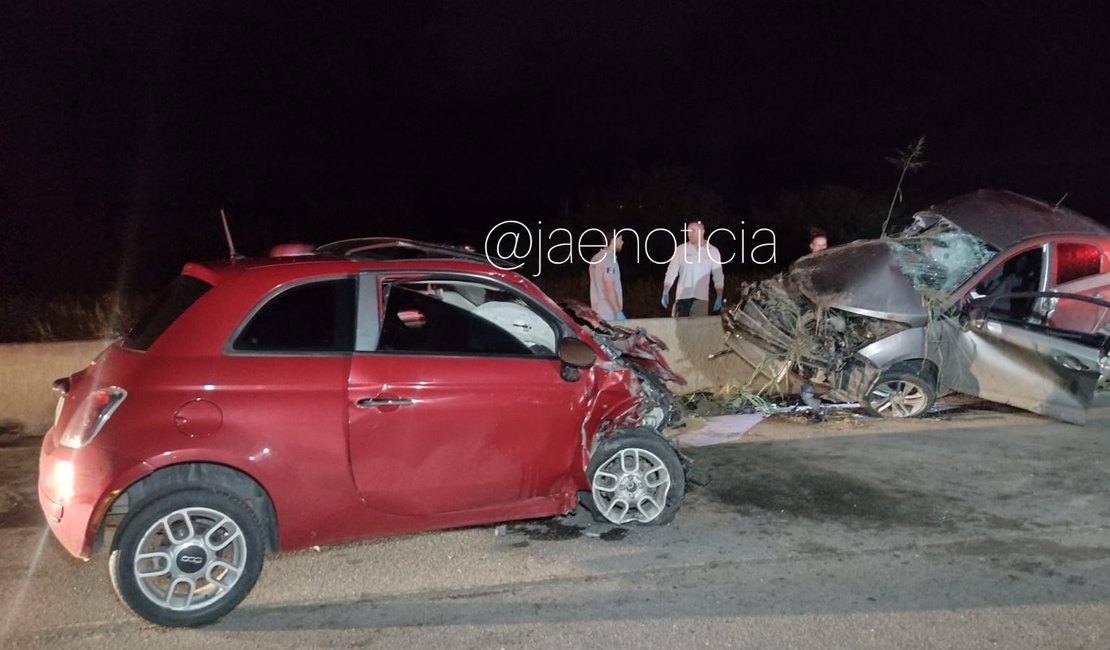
899,395
187,558
636,477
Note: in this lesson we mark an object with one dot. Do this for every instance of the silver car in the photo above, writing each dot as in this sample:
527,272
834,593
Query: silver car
991,294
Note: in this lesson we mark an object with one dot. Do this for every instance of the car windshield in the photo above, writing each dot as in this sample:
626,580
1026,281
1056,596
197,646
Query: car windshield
939,257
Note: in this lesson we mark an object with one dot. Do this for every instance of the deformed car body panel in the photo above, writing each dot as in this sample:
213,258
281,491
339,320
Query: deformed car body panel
642,354
637,345
309,424
1044,367
863,278
843,317
1003,218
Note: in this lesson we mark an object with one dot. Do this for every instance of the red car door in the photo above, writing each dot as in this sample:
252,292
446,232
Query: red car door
453,411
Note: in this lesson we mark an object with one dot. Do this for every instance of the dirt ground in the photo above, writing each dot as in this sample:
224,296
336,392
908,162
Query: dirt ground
18,474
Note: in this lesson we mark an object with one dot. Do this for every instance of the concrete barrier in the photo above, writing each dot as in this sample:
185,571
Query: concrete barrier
26,372
28,369
690,341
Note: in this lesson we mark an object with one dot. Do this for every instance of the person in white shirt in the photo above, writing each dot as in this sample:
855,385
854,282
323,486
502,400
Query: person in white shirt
694,265
606,295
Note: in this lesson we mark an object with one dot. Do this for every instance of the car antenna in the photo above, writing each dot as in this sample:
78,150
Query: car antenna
227,233
1062,199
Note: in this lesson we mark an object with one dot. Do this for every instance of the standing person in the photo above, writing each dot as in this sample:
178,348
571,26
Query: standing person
606,295
694,264
818,239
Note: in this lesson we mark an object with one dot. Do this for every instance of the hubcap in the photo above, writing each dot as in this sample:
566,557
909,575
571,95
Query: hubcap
190,558
631,486
899,399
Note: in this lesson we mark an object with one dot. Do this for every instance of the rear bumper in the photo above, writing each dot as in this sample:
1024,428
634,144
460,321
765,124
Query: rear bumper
76,487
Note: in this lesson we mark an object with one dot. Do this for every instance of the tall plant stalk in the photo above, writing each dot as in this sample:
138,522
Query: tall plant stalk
909,159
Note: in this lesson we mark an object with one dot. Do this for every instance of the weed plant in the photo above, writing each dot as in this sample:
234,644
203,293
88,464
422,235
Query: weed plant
34,319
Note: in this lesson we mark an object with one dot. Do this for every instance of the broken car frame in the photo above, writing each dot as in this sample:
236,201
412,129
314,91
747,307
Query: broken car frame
990,294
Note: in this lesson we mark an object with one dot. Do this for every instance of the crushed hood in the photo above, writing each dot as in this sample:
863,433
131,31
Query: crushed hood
862,278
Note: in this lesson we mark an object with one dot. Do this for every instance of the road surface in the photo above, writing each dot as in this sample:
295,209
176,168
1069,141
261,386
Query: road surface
975,529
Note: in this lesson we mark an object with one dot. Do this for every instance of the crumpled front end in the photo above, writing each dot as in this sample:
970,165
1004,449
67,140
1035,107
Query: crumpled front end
642,354
790,340
822,320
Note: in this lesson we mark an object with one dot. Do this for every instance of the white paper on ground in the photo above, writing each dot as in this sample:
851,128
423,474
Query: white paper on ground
720,429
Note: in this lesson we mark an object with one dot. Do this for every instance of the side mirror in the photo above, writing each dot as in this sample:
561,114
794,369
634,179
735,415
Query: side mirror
576,354
974,311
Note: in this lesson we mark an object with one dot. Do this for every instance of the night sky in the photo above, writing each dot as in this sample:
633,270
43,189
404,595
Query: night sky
126,126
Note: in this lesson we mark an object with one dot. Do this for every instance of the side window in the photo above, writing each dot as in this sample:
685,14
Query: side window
460,317
1075,261
315,317
1021,273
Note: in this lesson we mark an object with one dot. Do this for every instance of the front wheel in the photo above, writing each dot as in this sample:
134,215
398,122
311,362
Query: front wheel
636,477
899,395
188,558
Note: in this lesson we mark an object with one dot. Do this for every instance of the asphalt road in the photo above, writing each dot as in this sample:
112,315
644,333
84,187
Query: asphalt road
979,529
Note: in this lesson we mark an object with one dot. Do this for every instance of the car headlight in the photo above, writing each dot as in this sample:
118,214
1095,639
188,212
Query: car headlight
91,416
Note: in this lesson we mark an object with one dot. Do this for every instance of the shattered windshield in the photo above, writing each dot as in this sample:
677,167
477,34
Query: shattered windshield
939,257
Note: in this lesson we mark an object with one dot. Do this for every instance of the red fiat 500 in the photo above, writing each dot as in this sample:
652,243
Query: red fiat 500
369,387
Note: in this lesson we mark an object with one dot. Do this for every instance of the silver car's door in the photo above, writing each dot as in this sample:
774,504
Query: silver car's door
1038,363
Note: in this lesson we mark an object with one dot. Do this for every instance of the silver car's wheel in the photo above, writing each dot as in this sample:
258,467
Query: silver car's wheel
900,396
188,558
636,478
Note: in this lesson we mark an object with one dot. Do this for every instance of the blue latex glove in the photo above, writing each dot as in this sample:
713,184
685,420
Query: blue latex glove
620,316
717,304
666,301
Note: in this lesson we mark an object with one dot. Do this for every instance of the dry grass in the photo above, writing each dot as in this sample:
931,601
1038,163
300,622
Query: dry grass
66,317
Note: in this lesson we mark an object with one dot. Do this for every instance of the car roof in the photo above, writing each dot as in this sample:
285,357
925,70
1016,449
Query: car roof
368,253
396,248
1003,218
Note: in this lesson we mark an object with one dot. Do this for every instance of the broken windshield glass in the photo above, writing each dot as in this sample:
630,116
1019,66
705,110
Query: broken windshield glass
939,258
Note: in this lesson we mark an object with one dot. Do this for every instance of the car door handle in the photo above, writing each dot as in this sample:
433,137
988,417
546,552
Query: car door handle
1070,363
383,401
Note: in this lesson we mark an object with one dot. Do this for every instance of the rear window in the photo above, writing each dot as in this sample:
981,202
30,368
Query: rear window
178,297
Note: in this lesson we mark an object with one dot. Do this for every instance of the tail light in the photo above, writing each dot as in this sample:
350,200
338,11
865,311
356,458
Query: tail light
91,416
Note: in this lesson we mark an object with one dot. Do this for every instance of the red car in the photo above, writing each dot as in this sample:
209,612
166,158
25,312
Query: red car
367,388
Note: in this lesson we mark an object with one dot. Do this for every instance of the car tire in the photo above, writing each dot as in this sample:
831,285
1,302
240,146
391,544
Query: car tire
899,395
188,558
636,477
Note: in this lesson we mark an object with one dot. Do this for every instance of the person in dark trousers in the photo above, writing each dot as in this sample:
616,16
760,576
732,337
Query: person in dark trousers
694,264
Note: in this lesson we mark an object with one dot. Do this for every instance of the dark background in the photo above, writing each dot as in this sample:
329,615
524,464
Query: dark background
126,127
